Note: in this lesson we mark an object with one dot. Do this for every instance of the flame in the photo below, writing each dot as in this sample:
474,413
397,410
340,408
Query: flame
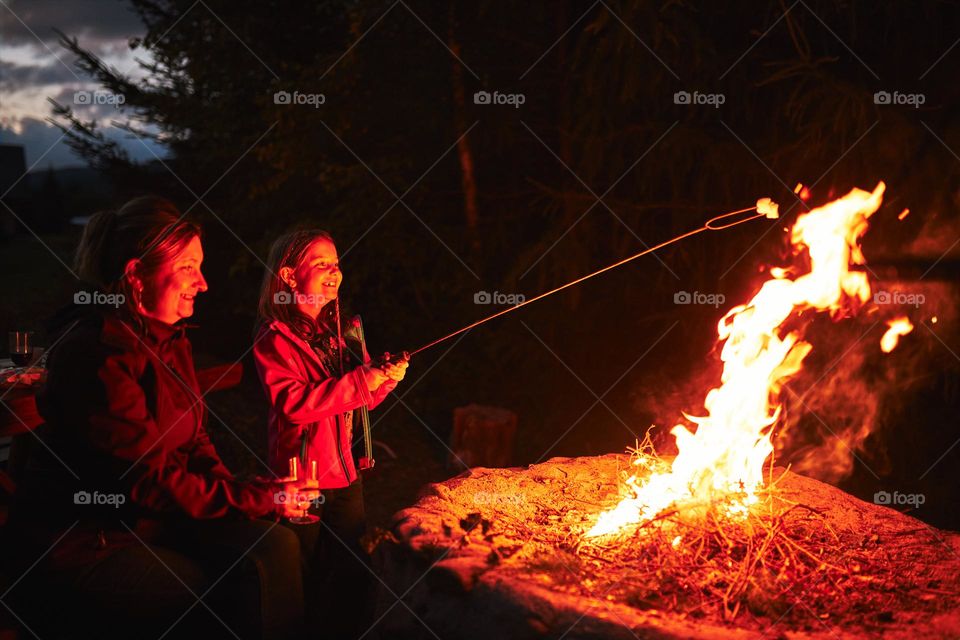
898,327
724,457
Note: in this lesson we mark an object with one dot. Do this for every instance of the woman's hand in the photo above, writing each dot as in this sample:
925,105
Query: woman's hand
293,497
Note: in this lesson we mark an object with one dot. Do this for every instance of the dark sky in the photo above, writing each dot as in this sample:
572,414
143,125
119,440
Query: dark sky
33,67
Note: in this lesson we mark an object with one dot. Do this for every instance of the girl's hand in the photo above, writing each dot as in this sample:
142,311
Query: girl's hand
396,370
374,377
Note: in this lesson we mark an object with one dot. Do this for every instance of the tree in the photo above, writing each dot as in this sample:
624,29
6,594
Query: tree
422,211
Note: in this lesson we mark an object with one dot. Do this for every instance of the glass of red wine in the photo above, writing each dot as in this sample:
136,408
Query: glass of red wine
21,347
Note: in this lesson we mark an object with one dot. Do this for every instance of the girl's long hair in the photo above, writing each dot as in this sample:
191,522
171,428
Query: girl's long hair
276,297
148,228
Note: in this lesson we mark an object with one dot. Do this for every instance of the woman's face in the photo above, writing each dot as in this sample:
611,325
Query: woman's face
169,295
317,278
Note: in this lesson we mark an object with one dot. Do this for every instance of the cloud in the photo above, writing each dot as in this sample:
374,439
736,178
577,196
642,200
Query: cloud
33,55
15,77
94,22
91,102
44,145
36,66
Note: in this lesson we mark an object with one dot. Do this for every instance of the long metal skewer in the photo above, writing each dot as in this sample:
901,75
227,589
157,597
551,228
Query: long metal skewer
711,225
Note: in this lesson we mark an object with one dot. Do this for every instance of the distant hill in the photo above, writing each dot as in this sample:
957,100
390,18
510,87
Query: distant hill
46,200
76,179
49,200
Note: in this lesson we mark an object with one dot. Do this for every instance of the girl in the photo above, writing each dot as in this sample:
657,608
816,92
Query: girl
314,377
127,509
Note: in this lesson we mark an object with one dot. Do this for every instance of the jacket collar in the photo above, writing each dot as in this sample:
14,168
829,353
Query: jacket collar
284,328
160,333
121,331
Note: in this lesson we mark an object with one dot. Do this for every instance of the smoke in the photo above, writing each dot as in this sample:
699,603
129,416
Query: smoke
852,402
844,407
829,419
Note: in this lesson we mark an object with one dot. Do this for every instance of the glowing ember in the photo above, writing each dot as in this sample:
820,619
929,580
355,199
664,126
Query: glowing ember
898,327
724,457
903,214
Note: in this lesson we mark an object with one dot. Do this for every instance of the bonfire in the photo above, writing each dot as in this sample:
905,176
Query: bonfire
723,459
713,539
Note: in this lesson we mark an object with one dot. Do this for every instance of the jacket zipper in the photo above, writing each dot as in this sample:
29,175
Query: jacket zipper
343,463
341,419
281,327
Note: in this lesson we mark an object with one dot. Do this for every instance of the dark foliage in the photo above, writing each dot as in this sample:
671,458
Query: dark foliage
598,162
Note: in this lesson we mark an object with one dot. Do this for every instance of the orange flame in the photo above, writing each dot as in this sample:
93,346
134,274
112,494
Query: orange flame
725,456
898,327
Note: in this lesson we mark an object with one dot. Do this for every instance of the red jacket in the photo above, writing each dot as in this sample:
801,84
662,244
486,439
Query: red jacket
307,400
124,416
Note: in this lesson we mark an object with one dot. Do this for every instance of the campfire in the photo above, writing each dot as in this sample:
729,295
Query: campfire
723,459
715,535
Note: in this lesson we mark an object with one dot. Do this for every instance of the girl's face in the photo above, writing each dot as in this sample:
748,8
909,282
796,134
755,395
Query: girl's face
316,279
169,295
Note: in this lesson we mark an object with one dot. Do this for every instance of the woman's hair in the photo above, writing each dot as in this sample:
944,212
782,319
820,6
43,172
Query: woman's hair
276,297
148,228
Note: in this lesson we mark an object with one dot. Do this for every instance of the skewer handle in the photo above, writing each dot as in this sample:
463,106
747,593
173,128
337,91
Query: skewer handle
390,358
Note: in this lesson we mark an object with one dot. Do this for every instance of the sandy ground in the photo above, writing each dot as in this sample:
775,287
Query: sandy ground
500,553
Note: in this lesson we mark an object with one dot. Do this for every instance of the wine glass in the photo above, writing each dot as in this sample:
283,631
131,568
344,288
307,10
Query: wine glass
305,516
21,347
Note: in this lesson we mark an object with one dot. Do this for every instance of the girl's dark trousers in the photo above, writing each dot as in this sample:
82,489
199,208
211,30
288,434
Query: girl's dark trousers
338,580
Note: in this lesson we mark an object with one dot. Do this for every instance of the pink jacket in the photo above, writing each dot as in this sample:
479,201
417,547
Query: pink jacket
306,398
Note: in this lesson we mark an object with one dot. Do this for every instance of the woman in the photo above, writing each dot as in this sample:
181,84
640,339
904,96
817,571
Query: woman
136,514
314,378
